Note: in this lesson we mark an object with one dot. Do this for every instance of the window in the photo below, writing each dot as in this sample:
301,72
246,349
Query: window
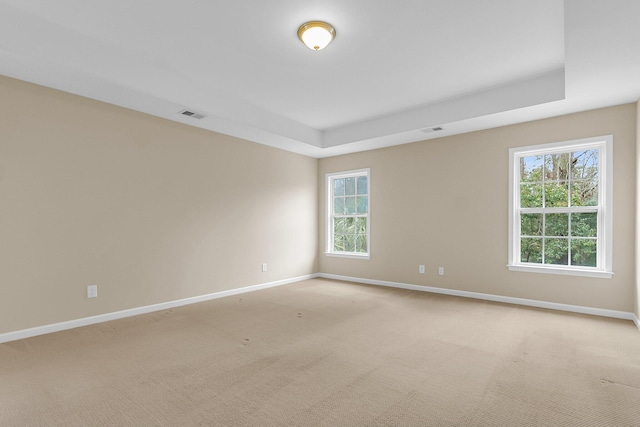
560,208
348,214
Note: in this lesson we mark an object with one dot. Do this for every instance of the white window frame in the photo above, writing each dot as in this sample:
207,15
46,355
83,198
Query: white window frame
605,204
330,214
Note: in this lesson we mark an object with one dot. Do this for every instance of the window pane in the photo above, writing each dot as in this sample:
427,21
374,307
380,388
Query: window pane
531,169
362,185
338,205
362,204
556,194
584,193
339,226
338,243
556,166
584,224
583,252
585,164
531,250
361,243
350,205
349,225
531,195
350,186
556,251
531,224
361,225
338,187
556,225
350,243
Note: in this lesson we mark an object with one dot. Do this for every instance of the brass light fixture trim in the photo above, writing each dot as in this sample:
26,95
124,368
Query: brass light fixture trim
316,35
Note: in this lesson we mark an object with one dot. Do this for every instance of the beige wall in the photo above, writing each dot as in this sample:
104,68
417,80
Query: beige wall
153,211
147,209
444,202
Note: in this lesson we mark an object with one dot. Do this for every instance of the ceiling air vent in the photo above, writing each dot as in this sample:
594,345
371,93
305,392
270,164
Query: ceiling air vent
434,129
192,114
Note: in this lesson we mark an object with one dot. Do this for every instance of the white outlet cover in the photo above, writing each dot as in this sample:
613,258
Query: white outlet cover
421,269
92,291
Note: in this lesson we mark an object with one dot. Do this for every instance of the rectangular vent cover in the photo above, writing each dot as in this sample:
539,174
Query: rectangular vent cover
434,129
192,114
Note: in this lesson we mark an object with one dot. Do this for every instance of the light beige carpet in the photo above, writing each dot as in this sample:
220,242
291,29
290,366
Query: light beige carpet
325,353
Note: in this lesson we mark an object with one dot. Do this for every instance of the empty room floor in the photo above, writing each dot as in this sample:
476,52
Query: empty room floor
329,353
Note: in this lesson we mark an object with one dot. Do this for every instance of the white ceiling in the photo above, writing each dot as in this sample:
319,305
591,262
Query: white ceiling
394,69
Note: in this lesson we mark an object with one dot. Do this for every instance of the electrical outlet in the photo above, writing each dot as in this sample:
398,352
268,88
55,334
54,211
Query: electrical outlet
264,267
441,271
92,291
421,269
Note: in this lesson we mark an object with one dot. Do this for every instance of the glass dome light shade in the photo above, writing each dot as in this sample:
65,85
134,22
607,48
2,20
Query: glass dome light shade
316,35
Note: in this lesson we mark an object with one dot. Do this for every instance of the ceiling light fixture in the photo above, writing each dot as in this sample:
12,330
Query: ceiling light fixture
316,35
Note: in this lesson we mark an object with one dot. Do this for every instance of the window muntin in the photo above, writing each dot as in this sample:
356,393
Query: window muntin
348,213
559,198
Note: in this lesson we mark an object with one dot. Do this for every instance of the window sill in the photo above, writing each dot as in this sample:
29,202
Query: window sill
347,255
560,270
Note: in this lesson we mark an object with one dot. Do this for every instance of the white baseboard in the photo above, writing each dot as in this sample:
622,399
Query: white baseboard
47,329
497,298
